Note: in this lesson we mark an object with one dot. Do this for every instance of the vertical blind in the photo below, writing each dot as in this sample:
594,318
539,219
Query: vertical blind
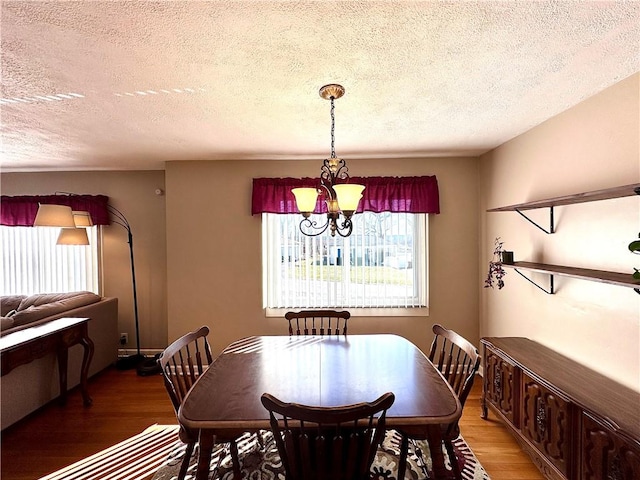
382,264
31,260
33,263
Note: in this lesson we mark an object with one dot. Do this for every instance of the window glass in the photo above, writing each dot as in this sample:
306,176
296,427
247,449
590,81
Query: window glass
33,263
381,265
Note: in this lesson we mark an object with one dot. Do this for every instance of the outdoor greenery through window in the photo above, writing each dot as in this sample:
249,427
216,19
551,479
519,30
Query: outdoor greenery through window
33,263
381,265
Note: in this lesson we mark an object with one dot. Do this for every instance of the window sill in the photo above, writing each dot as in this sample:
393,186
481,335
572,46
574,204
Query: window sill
362,312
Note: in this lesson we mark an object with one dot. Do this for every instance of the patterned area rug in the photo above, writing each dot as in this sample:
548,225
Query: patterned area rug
263,463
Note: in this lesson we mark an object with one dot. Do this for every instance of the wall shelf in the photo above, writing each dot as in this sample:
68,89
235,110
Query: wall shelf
606,194
614,278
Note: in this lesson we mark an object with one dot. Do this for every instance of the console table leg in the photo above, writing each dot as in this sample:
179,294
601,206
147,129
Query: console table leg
63,356
88,346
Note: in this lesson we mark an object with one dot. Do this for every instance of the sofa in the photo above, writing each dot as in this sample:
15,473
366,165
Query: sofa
28,387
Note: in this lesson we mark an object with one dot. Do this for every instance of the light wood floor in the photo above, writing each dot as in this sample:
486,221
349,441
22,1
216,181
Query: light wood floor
124,404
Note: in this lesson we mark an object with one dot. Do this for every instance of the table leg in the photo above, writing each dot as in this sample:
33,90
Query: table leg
204,457
88,346
434,437
63,357
237,474
404,451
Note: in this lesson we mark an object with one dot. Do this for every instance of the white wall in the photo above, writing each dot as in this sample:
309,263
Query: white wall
592,146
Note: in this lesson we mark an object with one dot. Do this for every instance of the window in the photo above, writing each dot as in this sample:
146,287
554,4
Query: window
33,263
380,269
381,265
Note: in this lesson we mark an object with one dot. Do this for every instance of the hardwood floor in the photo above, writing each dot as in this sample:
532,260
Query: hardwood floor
124,404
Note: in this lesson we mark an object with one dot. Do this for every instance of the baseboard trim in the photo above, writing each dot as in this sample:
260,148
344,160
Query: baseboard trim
147,352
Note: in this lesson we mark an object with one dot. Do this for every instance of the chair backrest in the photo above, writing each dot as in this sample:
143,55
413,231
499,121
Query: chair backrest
318,322
183,362
457,359
327,443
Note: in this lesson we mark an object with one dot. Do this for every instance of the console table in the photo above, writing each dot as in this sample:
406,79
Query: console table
56,336
574,423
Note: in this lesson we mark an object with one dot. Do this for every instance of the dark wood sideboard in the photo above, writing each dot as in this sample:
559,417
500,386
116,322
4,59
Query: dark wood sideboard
574,423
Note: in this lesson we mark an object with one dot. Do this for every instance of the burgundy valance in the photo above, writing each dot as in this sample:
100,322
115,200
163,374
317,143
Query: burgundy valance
21,211
381,194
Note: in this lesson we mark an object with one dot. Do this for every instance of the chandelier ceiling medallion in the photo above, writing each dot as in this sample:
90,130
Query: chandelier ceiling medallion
341,198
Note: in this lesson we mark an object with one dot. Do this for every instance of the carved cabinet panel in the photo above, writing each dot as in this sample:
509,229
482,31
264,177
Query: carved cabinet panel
546,422
605,455
501,386
575,423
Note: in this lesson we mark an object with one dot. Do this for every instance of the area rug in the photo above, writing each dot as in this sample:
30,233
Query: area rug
136,458
263,462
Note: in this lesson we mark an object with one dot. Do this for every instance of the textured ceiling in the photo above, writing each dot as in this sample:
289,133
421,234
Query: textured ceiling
130,85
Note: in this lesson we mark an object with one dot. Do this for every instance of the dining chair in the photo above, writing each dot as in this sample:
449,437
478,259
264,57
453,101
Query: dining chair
318,322
182,363
327,443
458,360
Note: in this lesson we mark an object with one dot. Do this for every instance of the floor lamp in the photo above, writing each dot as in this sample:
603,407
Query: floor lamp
126,363
51,215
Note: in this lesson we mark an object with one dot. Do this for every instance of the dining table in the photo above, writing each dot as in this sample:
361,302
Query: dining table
328,371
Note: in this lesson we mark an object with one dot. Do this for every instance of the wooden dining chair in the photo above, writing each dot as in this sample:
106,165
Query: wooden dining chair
318,322
458,360
182,363
327,443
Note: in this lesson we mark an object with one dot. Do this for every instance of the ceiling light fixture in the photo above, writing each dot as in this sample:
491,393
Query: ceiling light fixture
341,199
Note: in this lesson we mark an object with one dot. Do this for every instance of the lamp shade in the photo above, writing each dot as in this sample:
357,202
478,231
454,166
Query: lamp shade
82,219
305,198
54,216
73,236
348,195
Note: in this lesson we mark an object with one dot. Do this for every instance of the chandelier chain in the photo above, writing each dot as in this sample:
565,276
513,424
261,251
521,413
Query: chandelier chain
333,151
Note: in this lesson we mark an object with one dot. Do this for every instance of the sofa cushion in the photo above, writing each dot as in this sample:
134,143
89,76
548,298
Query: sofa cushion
6,322
40,306
10,302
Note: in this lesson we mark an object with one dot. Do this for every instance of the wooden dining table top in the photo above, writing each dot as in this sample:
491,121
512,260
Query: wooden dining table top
321,371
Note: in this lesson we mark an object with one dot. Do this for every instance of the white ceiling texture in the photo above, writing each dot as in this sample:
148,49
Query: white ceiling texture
96,85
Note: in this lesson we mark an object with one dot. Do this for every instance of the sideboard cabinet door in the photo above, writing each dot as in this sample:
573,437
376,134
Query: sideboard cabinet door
605,455
547,423
501,386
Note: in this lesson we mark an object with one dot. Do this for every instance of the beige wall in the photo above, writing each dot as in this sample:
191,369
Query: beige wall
592,146
133,193
204,265
214,248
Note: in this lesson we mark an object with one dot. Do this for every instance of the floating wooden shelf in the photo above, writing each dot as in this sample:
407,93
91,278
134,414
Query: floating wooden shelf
614,278
606,194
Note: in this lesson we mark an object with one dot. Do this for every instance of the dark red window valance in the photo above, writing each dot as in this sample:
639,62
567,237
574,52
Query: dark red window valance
381,194
21,211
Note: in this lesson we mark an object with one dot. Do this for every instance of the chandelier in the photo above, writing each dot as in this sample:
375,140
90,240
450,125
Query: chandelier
341,198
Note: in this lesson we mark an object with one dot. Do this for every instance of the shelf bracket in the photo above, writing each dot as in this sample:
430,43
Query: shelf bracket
637,290
548,232
550,291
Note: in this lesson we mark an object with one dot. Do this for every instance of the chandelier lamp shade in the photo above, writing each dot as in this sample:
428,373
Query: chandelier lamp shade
341,197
